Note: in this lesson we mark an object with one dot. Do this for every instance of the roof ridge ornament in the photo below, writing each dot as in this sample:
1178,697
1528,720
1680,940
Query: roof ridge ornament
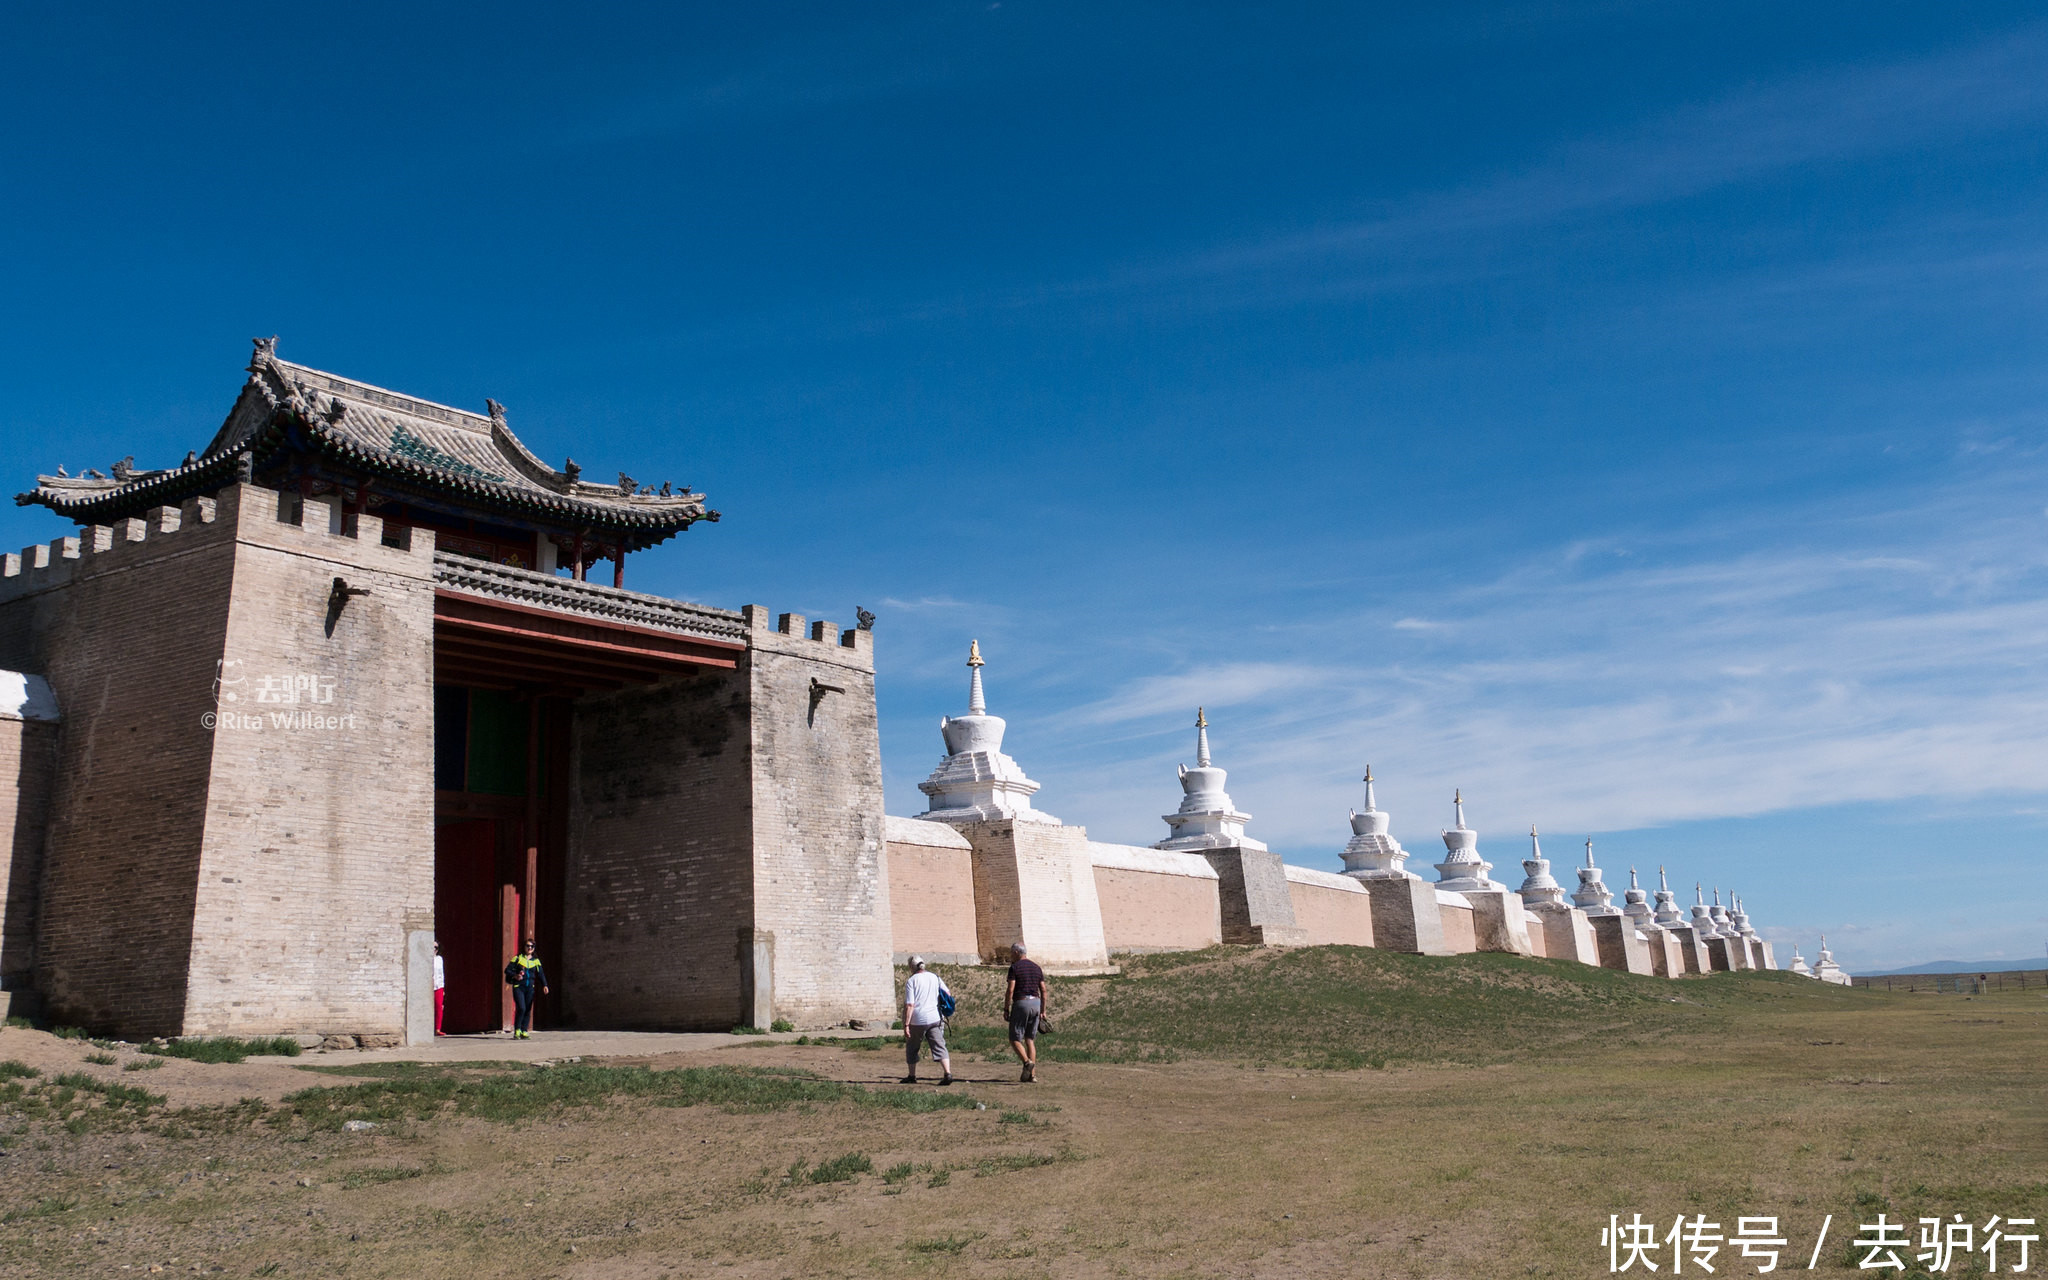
496,410
264,354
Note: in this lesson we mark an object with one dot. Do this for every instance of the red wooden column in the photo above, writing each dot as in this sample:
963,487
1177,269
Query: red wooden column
619,567
529,913
508,947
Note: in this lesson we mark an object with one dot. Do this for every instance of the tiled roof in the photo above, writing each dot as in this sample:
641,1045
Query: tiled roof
564,595
381,435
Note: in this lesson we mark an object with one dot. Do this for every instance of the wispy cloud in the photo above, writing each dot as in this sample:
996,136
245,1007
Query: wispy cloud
1229,685
931,604
1759,131
1428,239
1912,660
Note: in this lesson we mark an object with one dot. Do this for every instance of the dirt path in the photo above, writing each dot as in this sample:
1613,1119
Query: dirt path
1194,1168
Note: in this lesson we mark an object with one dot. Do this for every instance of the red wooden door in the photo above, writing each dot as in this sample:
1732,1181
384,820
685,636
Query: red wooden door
466,924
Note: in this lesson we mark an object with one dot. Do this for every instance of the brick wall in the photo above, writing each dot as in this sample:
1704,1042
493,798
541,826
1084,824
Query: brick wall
1155,900
1034,882
931,892
821,886
1334,909
318,853
1405,916
1457,924
1252,893
128,624
28,759
658,887
726,860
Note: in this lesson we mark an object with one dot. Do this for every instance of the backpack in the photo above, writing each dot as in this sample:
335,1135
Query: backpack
513,973
946,1002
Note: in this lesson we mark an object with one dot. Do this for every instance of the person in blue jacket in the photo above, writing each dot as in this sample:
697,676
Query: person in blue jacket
528,982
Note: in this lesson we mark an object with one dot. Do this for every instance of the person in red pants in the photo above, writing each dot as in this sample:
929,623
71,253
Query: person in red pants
440,989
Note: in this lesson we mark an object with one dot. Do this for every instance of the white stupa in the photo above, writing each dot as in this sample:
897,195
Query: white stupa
976,782
1724,925
1592,896
1372,854
1206,819
1636,905
1703,926
1540,890
1825,968
1668,915
1739,918
1462,869
1799,965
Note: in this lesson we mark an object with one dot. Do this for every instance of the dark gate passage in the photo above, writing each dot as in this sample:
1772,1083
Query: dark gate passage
466,922
499,831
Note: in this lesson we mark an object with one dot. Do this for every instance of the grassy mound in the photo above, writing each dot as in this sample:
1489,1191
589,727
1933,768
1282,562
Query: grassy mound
1350,1007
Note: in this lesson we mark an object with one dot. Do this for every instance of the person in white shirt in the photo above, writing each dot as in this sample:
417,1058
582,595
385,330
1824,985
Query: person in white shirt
440,989
921,1020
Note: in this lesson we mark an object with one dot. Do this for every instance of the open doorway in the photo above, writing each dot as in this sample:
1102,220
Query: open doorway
500,826
469,924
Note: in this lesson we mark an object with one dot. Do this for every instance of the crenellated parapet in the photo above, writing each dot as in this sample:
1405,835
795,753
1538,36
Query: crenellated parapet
855,644
56,563
319,526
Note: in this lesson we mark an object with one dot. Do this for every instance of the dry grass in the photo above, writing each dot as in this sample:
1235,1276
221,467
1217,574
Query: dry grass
1522,1104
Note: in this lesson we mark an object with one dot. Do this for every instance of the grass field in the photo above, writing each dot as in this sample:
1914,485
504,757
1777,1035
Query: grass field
1325,1112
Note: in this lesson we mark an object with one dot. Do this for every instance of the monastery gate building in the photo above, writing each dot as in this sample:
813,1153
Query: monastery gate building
342,683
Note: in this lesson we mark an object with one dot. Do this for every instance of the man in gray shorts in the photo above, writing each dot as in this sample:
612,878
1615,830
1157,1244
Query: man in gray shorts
1024,1005
921,1021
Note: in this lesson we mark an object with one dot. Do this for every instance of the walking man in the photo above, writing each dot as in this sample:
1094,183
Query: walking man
922,1021
1024,1005
529,982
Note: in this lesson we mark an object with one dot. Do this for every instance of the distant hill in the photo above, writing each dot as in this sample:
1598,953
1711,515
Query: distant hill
1963,966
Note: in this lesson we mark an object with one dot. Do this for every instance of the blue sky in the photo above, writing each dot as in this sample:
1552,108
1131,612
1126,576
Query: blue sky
1631,414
